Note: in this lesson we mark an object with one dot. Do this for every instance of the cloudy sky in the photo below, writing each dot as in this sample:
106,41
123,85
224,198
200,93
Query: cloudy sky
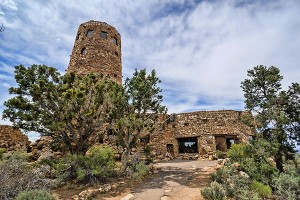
201,50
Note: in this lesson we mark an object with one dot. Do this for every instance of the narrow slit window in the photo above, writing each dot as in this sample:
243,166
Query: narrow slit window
83,51
89,33
115,41
78,36
103,34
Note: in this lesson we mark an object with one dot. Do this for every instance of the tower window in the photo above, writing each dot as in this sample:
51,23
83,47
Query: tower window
115,41
83,51
89,33
116,53
103,34
78,36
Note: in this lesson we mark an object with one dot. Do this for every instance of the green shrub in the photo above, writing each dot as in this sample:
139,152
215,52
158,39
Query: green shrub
259,169
147,151
35,195
215,192
220,154
263,190
1,153
236,186
236,152
17,176
140,171
286,185
96,166
254,160
222,174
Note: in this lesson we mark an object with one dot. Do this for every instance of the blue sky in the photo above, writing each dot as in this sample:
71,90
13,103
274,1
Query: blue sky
201,50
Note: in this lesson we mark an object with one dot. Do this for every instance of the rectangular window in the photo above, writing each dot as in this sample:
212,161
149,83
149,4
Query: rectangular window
188,145
103,34
115,41
89,33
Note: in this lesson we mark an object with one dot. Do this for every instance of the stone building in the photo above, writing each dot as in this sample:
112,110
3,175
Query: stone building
97,49
199,133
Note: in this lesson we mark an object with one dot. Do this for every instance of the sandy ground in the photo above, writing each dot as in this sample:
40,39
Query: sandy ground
175,180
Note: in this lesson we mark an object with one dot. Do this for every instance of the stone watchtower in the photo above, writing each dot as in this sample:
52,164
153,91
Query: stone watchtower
97,49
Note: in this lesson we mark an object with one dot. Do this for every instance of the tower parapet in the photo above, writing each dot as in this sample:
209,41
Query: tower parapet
97,49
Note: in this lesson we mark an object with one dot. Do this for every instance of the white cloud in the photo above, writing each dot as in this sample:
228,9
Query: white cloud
9,4
200,50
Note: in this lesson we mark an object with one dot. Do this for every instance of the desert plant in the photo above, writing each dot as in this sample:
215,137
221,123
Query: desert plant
220,154
16,176
140,171
286,185
149,158
235,185
263,190
259,169
35,195
236,152
215,191
96,166
222,174
1,153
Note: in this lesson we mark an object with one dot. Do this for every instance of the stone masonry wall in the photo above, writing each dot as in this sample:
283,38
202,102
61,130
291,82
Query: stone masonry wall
12,139
206,126
97,49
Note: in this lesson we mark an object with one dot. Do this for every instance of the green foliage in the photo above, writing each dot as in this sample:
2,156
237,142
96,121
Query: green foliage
96,166
1,153
35,195
286,185
140,171
276,112
70,108
16,176
235,185
140,105
147,151
101,161
254,159
215,192
263,190
220,154
236,152
222,174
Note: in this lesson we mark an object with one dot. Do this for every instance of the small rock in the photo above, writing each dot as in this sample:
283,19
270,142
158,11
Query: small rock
225,161
220,161
244,174
236,164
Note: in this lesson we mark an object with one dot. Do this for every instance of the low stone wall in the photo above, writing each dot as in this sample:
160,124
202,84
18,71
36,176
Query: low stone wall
12,139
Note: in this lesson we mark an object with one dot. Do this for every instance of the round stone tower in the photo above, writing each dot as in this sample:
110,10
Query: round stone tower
97,49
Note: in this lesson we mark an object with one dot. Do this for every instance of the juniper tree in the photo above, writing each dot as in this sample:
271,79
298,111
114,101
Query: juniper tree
276,112
71,109
138,110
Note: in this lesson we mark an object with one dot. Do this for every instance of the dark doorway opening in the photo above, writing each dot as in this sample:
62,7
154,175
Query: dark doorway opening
188,145
170,150
223,143
229,142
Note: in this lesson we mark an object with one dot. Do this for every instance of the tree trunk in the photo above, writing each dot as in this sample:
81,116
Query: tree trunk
125,158
279,160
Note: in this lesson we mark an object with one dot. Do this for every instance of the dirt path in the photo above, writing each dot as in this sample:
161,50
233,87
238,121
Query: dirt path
176,180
